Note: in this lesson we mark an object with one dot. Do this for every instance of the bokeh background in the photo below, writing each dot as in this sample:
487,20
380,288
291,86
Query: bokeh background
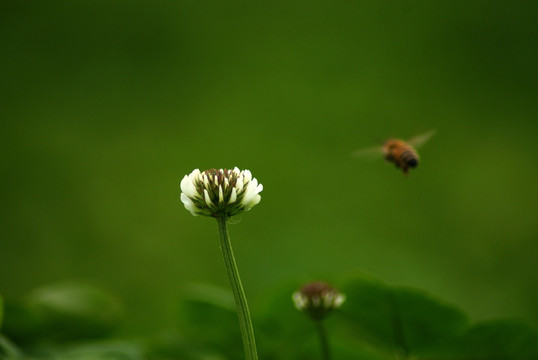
106,105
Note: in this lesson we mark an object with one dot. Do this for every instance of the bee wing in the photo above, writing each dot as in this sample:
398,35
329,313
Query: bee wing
419,140
371,152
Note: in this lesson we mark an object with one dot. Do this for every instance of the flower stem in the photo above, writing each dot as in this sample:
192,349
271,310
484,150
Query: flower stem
239,295
324,343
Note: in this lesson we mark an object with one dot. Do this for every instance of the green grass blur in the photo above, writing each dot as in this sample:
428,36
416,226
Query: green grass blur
105,106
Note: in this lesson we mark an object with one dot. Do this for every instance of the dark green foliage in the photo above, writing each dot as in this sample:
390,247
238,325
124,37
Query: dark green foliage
23,323
8,350
173,345
1,311
376,322
63,311
401,320
208,321
495,340
282,332
424,319
99,351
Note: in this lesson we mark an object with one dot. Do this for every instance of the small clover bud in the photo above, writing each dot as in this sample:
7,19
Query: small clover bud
317,299
220,193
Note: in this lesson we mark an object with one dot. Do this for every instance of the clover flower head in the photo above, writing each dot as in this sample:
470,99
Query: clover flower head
317,299
220,193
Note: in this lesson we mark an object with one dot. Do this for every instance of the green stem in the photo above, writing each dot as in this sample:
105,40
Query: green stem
324,343
239,295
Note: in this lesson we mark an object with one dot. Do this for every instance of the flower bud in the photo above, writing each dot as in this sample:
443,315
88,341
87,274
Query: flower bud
317,299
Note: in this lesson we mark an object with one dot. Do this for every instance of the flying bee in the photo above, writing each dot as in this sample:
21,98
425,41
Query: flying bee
401,153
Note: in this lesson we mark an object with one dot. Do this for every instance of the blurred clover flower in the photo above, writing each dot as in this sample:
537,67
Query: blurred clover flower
220,193
317,299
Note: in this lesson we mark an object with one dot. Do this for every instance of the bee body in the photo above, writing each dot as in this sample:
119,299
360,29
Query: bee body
403,155
399,152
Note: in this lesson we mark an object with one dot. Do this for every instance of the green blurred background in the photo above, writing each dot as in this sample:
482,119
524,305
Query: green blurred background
106,105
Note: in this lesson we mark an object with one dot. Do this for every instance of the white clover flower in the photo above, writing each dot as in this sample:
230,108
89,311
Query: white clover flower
220,193
317,299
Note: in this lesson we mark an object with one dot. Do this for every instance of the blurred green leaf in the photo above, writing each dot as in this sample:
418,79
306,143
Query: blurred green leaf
284,333
170,345
400,320
494,340
424,319
109,350
8,350
63,311
207,317
346,350
22,322
75,310
102,351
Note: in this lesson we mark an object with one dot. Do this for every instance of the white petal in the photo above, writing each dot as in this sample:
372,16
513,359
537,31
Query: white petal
185,199
239,184
247,175
233,197
184,183
251,196
255,200
254,182
221,196
195,175
187,186
207,199
339,300
299,300
192,209
189,205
